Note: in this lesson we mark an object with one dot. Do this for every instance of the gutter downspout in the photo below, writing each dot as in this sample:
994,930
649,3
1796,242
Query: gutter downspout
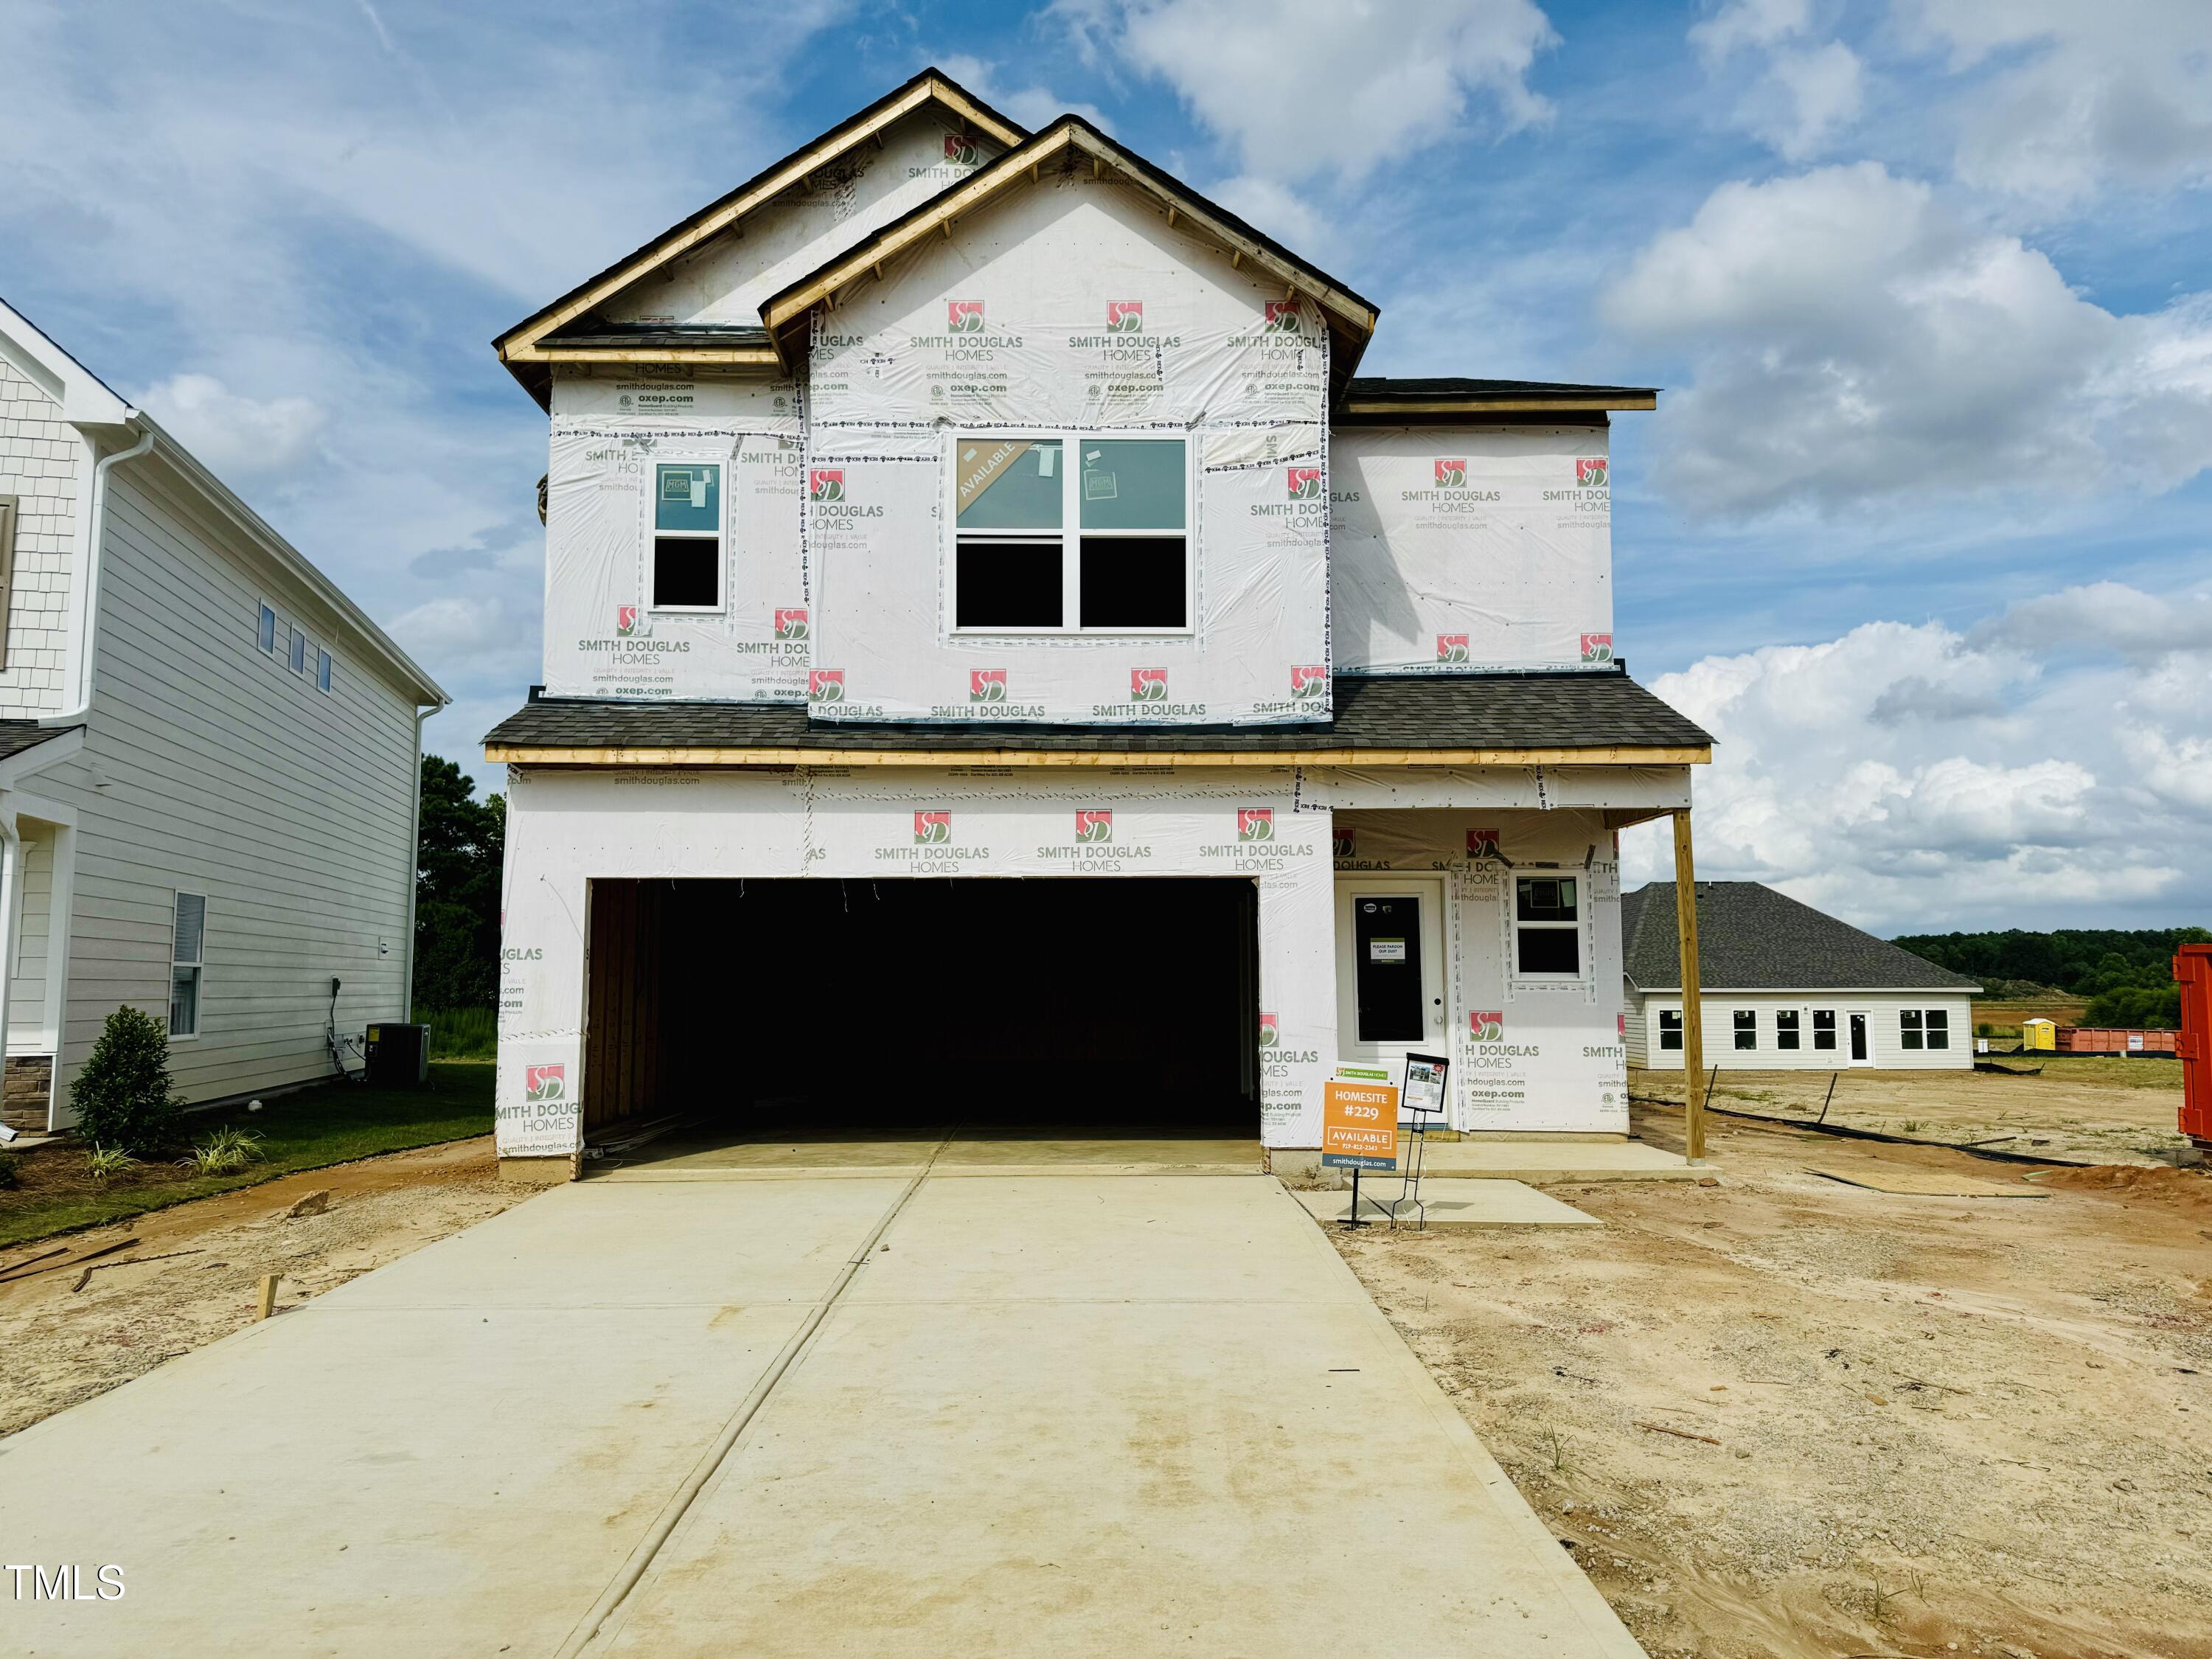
95,535
414,872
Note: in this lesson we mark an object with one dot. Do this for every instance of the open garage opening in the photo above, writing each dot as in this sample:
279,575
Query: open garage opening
901,1009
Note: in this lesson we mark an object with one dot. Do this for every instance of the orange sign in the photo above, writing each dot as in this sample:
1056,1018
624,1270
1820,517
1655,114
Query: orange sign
1360,1125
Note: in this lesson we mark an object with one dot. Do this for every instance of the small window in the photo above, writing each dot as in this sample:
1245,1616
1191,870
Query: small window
187,947
687,538
1938,1027
1670,1029
322,670
1746,1028
1125,567
299,652
1908,1028
268,628
1824,1028
1785,1028
1547,927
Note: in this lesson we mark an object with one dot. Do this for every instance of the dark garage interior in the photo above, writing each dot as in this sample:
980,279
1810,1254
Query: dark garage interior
1102,1005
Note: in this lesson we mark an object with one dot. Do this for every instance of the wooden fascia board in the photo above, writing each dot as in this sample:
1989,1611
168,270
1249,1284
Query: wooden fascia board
1008,171
1494,405
499,754
734,356
791,172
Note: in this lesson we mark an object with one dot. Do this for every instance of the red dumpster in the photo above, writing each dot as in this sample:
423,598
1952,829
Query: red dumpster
2192,972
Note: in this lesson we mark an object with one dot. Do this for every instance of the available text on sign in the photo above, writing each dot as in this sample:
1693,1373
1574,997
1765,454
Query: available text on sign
1360,1125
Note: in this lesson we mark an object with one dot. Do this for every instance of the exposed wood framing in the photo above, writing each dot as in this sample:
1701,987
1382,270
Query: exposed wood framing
728,357
1693,1016
1382,409
532,755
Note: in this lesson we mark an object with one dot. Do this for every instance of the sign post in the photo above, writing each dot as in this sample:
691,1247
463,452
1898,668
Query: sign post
1359,1126
1423,1098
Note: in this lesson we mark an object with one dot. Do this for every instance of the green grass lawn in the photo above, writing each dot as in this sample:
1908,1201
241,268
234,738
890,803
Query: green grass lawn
333,1123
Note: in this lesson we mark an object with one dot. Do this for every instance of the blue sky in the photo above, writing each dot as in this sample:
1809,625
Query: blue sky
1917,531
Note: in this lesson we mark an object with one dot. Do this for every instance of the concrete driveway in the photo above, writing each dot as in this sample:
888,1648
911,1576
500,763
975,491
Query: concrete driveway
1055,1413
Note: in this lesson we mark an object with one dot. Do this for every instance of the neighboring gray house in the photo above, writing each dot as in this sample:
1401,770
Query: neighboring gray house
1785,987
208,761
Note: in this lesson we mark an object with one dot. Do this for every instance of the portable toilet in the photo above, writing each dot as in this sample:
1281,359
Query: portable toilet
2039,1034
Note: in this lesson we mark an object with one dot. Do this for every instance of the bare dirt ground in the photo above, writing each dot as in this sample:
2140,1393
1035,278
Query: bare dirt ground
1783,1416
2088,1109
202,1263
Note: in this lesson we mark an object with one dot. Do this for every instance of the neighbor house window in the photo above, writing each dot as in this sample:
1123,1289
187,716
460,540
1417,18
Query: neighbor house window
1919,1028
1746,1028
1824,1028
1042,545
687,537
322,670
1785,1028
268,634
299,652
1547,927
8,508
188,944
1670,1029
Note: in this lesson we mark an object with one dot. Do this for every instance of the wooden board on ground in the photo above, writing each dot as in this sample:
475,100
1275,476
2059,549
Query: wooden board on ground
1921,1183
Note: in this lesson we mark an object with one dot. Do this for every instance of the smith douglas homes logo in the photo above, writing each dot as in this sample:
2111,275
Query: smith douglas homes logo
826,484
986,685
1482,844
545,1083
1308,684
1304,483
1271,1034
1597,647
1255,823
629,625
1125,316
791,626
1451,474
964,316
1486,1025
1283,318
962,149
825,686
1094,827
1590,472
932,829
1451,648
1148,685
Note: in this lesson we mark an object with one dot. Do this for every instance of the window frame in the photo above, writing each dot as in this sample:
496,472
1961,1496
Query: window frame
1909,1030
1743,1023
197,964
295,656
720,535
266,626
1521,976
1924,1030
324,667
1789,1031
1827,1031
1673,1031
1071,533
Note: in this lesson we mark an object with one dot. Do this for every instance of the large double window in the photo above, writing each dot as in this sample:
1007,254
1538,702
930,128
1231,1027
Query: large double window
1070,534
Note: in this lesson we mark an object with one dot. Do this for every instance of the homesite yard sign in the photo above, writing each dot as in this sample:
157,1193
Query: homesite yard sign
1359,1119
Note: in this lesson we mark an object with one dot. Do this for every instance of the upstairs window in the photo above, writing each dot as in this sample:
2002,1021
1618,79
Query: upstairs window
1547,927
1099,546
299,652
187,947
323,671
687,537
268,634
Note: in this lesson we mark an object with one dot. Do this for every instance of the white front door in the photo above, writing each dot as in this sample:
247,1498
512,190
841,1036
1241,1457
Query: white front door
1859,1042
1392,997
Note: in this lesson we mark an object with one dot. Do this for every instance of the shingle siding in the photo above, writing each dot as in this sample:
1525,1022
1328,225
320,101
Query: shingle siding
40,461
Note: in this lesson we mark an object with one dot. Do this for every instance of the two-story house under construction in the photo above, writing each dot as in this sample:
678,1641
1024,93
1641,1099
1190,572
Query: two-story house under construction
1002,659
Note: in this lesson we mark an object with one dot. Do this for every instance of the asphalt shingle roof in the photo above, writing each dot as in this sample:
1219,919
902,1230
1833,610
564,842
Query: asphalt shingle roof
1600,710
1751,938
16,736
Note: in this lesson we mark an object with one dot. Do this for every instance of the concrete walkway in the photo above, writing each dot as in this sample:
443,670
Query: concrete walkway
1067,1415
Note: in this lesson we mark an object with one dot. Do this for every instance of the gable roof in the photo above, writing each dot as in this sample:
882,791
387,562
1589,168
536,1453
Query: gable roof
1751,938
524,348
1065,144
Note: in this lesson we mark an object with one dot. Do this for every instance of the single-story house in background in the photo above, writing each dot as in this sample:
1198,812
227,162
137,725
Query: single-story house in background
208,761
1785,987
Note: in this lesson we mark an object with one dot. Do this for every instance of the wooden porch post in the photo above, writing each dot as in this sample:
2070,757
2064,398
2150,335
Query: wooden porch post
1693,1016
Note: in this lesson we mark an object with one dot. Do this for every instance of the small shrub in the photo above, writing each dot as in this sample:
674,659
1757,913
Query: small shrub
10,1171
123,1097
106,1161
1913,1126
223,1152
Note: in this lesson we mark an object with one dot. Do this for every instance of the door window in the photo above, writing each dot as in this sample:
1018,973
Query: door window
1386,939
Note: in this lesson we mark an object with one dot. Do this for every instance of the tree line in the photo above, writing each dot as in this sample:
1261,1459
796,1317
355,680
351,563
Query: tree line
2125,975
456,887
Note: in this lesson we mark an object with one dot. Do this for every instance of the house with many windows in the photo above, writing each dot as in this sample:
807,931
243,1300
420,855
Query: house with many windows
1003,658
1785,988
208,762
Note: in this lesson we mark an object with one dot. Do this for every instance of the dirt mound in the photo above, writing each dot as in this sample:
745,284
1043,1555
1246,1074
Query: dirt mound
2190,1187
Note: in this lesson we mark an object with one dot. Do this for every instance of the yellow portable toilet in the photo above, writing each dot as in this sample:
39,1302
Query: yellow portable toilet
2039,1034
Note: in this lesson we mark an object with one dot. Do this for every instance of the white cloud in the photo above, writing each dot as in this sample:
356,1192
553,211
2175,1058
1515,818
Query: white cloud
2072,96
1851,339
1035,106
1303,87
1801,97
1288,216
1916,778
238,438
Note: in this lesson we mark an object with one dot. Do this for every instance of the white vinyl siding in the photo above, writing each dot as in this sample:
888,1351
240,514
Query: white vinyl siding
225,774
1884,1010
